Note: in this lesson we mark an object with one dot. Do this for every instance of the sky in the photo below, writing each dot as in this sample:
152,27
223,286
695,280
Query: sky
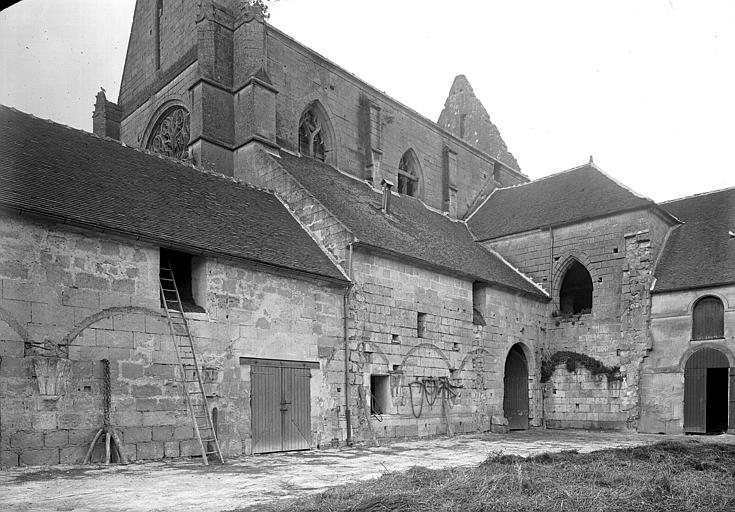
646,87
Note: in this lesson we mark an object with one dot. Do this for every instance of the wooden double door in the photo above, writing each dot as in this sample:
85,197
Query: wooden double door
280,405
709,392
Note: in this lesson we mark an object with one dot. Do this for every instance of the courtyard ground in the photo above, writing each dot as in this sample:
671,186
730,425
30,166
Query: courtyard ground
185,485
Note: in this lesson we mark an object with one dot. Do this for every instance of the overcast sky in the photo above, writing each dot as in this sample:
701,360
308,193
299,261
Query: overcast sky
646,86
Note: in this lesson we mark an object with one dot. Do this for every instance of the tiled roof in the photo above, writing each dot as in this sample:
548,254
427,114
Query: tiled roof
54,170
411,230
700,252
562,198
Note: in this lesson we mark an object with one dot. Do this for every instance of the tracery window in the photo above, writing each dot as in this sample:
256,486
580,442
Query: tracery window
708,319
311,136
408,178
170,135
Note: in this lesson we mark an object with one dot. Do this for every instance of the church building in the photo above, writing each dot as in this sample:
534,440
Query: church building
256,251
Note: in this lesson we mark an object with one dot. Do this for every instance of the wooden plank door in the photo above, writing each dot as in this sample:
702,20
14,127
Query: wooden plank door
515,401
695,400
296,409
280,408
265,397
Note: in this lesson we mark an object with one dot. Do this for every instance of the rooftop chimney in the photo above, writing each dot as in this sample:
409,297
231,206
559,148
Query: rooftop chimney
387,185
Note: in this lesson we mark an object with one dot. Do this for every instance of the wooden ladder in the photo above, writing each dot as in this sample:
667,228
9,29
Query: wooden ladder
191,376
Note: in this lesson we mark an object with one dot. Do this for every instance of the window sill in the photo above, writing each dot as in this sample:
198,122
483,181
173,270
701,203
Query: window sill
704,340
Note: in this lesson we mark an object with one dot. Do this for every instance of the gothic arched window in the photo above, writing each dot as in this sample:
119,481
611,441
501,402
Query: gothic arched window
708,319
575,295
408,176
170,134
312,135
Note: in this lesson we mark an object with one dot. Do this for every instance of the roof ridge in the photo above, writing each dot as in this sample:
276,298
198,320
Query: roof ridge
545,177
699,194
172,160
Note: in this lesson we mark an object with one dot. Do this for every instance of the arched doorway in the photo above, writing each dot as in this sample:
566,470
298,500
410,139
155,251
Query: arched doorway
706,392
515,384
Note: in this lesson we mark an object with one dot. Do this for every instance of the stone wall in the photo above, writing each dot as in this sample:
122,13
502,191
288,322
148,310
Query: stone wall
662,374
619,253
415,326
97,297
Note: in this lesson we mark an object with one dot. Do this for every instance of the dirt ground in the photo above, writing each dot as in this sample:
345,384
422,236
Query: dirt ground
186,486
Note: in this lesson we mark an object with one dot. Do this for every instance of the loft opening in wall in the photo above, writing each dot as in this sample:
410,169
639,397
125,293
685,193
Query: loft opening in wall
708,319
180,265
575,296
315,138
408,175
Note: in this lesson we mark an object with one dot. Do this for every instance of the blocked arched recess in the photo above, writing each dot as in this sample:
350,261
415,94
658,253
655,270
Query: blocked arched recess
429,346
330,137
560,269
161,110
415,166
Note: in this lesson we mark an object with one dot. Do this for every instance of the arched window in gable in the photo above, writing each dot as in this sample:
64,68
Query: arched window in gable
170,134
708,319
408,175
314,135
575,296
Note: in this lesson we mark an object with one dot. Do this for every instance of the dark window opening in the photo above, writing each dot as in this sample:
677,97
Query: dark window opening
421,325
157,29
478,304
379,394
180,265
575,296
408,179
496,171
708,319
311,136
462,120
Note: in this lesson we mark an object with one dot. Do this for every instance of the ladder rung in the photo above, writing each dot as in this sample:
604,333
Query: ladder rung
165,279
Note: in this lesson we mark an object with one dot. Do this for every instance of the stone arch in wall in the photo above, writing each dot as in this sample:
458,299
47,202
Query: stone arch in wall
168,132
516,387
410,177
708,374
315,134
573,285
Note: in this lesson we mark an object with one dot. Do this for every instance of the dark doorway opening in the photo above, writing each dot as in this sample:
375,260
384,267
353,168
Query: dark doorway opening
717,400
515,383
706,392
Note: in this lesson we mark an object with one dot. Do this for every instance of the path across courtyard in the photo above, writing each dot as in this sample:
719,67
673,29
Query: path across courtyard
186,486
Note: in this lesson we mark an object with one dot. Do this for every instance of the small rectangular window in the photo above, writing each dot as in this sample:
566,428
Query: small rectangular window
462,121
379,394
478,304
421,325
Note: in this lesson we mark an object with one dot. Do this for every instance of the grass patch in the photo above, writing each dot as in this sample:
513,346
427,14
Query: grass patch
667,476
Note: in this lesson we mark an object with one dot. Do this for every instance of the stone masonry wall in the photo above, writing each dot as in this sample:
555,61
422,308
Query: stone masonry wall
619,253
662,375
98,298
386,340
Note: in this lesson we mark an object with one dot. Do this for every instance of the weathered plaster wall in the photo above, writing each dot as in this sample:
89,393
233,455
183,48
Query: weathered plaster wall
662,375
99,295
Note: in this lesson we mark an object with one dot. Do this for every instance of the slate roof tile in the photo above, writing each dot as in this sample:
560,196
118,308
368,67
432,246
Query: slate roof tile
700,252
562,198
51,169
411,230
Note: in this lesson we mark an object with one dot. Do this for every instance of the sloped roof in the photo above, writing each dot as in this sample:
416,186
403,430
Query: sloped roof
411,230
569,196
700,252
50,169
